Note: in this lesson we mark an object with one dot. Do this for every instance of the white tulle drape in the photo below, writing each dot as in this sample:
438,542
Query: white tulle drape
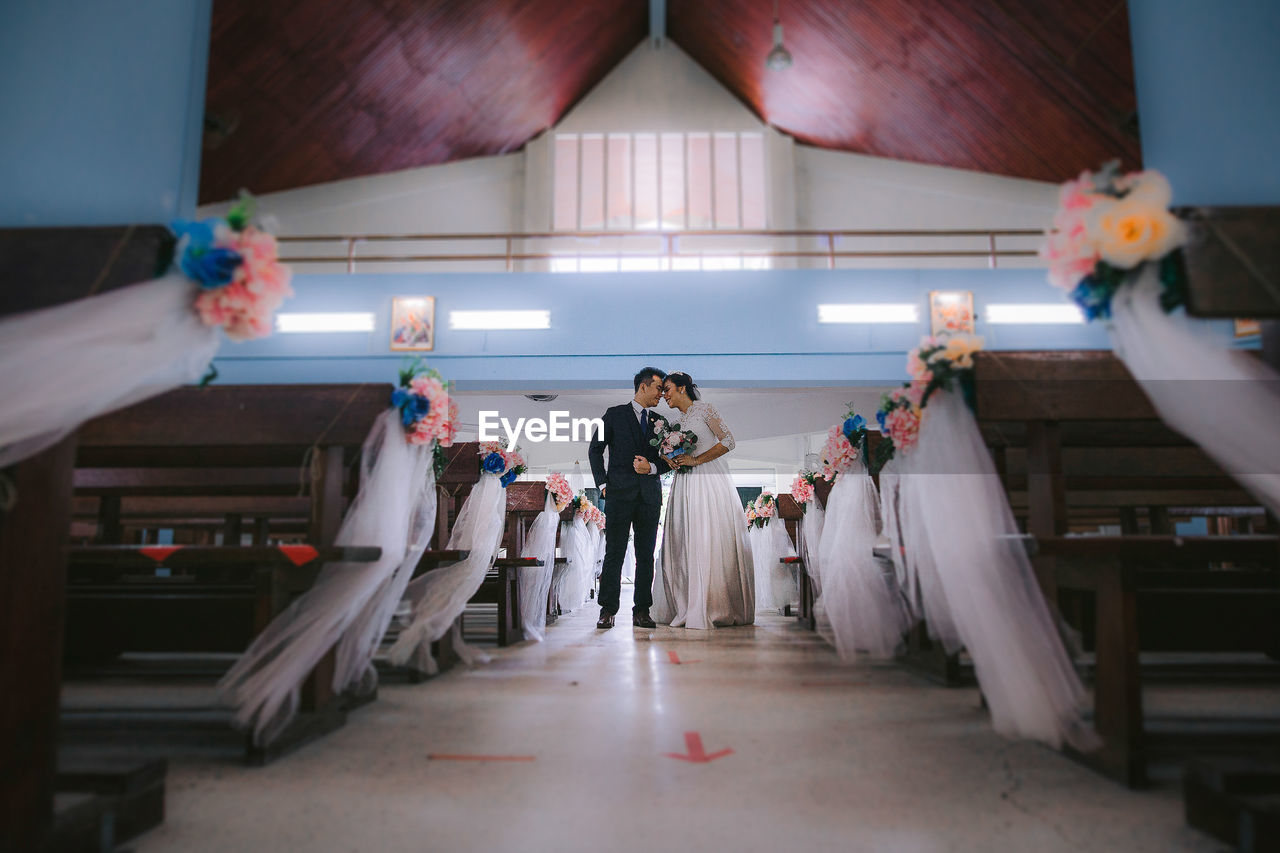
579,546
439,596
1224,400
990,588
535,581
860,599
809,536
891,529
72,362
775,580
924,592
350,604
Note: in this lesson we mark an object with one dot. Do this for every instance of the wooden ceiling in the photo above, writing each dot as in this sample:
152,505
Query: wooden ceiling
307,91
1029,88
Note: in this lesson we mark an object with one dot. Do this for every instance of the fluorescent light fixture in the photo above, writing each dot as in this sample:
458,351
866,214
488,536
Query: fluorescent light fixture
874,312
500,319
1041,314
342,321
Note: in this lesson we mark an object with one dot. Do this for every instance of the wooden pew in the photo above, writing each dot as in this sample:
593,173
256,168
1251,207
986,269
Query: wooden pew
238,446
789,514
1131,577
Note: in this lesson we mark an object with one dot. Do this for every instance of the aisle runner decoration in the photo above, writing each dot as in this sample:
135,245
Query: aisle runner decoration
959,524
137,341
861,603
351,605
581,545
540,543
768,542
1116,251
439,596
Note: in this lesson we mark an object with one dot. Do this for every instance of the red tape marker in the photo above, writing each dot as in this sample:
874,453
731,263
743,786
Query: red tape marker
159,553
696,754
299,555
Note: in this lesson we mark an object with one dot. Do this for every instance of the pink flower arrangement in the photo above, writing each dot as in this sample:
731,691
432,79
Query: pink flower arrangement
440,422
560,489
838,454
903,425
245,306
751,514
801,490
590,514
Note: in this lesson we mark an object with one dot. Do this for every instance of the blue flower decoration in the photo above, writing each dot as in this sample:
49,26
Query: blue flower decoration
201,261
852,425
494,463
1093,297
508,478
880,416
413,407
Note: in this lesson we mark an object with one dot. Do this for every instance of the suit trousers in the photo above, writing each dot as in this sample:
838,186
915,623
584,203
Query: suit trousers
622,515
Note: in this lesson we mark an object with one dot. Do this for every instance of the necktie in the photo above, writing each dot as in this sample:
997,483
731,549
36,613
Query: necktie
644,421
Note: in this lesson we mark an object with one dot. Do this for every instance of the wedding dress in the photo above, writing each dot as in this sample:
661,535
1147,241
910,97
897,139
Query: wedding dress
705,578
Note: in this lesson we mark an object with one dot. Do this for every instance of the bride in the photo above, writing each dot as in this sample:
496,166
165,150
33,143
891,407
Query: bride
705,578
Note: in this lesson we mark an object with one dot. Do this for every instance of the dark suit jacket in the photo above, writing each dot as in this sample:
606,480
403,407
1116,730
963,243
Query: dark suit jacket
622,437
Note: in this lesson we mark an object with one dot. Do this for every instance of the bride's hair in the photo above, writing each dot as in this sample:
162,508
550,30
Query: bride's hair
685,383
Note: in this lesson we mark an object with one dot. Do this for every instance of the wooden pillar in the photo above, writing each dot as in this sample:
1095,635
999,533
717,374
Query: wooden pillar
326,495
109,530
1160,522
231,529
1046,495
1128,520
261,531
33,577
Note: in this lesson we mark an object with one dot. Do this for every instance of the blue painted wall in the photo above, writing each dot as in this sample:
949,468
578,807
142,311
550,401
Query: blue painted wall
741,329
102,104
1208,84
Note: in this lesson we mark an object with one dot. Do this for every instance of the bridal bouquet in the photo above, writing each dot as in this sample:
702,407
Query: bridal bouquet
1107,227
496,459
237,267
560,489
672,441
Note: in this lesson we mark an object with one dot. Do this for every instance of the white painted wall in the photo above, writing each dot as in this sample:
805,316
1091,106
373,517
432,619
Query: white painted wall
838,190
484,195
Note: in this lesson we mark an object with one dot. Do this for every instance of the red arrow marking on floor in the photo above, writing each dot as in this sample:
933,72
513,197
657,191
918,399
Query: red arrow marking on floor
697,755
480,757
674,658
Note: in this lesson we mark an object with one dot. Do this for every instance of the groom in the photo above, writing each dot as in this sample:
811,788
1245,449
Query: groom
633,496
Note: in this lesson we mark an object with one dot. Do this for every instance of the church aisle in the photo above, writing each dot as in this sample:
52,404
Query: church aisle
567,746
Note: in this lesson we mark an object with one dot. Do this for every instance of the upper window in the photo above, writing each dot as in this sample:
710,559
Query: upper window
658,181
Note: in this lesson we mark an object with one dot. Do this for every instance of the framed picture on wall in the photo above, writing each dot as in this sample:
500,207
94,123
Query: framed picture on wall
413,323
1247,328
950,311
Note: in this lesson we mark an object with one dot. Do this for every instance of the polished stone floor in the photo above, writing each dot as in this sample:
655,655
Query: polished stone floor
567,745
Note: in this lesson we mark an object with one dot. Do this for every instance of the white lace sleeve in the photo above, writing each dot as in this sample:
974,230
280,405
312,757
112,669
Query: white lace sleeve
718,429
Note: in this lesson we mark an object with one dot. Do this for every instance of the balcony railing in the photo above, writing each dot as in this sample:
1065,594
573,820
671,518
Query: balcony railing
674,249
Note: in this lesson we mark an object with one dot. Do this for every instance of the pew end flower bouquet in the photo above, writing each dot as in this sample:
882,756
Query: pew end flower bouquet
802,488
1107,228
560,490
506,464
427,413
236,265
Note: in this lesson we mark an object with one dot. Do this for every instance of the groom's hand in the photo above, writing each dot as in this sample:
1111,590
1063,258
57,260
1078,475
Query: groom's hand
641,465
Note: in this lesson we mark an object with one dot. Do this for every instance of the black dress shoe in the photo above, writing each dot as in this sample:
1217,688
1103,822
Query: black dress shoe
606,621
641,619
